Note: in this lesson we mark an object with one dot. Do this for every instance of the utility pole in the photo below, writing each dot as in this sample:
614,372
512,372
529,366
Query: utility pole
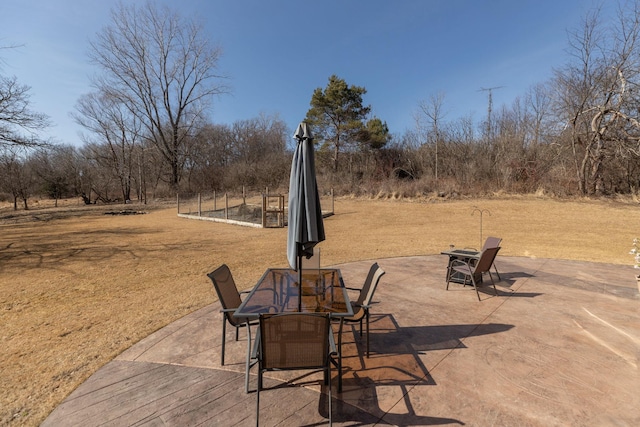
490,90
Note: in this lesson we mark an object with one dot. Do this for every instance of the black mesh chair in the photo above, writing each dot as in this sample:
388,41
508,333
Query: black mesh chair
294,341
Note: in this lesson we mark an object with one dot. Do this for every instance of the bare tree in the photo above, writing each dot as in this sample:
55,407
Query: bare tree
538,102
54,167
429,119
249,153
113,135
19,124
598,94
17,176
161,68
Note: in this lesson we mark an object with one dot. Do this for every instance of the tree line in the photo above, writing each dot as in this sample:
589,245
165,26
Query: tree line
147,132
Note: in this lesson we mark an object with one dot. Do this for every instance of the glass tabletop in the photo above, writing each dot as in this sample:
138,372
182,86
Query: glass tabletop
278,291
469,253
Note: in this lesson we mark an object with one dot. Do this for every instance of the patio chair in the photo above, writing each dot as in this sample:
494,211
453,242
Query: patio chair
363,303
472,272
230,300
492,242
294,341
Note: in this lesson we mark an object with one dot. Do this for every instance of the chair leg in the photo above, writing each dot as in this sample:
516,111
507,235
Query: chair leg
339,357
224,336
495,291
367,316
473,282
258,397
248,365
496,269
330,397
237,329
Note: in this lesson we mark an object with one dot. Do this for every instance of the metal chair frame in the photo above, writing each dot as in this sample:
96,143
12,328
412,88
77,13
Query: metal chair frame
473,271
298,341
364,301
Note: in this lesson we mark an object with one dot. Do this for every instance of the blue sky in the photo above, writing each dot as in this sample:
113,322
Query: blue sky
277,52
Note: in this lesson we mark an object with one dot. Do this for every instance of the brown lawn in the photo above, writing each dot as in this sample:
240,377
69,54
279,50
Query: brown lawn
78,287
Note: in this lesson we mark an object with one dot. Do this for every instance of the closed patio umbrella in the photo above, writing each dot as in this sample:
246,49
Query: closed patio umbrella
305,228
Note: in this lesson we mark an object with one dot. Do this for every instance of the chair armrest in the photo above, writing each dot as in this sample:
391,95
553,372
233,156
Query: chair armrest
368,306
245,292
332,343
352,289
459,262
256,345
228,310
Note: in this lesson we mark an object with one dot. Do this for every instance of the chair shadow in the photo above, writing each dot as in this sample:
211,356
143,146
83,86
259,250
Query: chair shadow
509,279
503,285
395,362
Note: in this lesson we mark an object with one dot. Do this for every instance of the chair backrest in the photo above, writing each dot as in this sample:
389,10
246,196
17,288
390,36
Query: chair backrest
491,242
370,285
227,290
313,262
486,260
294,340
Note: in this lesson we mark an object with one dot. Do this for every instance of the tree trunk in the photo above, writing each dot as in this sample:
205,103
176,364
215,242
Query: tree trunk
582,175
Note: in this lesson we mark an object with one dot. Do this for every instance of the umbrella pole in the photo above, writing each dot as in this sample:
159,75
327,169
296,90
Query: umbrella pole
299,283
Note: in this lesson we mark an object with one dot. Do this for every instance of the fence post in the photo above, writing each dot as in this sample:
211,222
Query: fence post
215,207
178,201
264,211
226,206
332,201
199,204
281,209
244,196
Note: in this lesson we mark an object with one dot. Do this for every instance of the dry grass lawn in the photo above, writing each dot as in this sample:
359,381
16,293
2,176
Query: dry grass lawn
78,287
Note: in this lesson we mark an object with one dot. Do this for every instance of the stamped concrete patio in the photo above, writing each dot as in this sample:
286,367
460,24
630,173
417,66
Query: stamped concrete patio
560,345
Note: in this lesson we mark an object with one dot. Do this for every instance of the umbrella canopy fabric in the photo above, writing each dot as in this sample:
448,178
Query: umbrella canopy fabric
305,228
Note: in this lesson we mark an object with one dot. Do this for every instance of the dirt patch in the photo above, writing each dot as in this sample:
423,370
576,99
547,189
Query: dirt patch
78,287
125,212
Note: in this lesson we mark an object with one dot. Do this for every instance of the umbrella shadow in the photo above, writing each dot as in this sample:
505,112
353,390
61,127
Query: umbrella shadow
346,412
396,360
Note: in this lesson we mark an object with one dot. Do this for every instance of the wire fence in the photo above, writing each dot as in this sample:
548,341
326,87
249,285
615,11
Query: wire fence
265,210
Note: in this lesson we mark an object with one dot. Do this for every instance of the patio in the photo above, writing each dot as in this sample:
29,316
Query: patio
560,345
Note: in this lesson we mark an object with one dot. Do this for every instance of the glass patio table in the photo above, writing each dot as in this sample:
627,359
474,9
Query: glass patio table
278,291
